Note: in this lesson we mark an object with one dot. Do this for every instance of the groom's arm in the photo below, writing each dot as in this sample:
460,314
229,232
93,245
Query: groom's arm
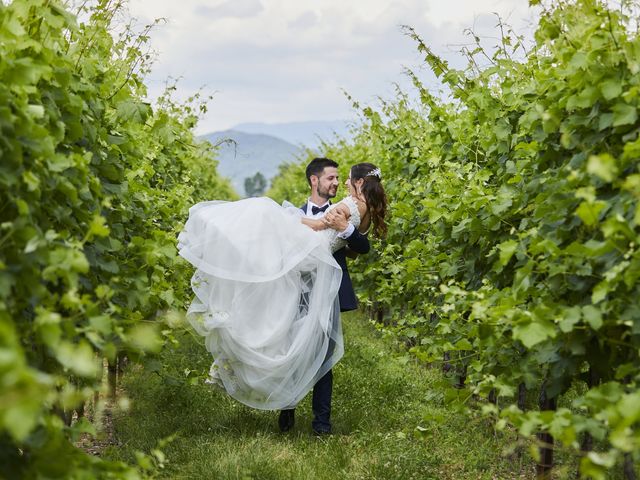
356,241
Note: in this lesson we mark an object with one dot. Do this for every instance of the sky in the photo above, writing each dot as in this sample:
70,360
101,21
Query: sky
277,61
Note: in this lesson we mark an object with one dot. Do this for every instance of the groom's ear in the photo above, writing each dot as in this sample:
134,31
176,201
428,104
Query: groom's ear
313,179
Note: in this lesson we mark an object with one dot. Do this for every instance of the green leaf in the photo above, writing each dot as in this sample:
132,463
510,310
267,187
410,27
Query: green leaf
630,406
12,25
579,61
31,180
23,207
48,327
624,114
604,166
60,162
116,139
570,317
507,249
603,459
589,211
144,337
33,244
589,469
463,344
533,333
502,203
26,71
600,291
35,111
131,110
97,227
79,358
611,89
101,323
20,418
502,129
605,120
592,316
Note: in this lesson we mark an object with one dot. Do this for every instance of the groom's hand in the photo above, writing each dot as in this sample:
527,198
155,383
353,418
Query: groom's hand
336,220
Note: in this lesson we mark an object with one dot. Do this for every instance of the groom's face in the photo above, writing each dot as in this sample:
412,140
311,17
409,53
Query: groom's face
328,183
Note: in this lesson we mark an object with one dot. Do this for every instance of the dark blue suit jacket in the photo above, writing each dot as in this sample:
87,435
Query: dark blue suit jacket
359,243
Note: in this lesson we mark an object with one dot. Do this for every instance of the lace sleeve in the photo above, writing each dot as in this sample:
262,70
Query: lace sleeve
352,205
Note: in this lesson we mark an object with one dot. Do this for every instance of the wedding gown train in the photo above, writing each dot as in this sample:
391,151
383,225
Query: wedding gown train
265,297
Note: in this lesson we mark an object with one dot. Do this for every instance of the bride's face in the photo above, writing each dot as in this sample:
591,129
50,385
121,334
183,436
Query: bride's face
354,186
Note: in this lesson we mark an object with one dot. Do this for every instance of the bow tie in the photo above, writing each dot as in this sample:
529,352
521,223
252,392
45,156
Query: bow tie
315,210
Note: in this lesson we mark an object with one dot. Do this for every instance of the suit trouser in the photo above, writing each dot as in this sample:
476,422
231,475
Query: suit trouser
321,402
322,390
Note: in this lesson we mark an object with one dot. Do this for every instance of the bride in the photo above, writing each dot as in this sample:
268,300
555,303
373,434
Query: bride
266,289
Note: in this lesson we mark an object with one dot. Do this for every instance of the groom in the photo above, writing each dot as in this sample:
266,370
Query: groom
322,175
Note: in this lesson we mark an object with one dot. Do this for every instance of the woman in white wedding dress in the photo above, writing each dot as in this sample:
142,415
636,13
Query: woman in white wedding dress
266,286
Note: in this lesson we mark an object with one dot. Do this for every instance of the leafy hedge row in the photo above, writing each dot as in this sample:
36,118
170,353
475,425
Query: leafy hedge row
94,184
514,241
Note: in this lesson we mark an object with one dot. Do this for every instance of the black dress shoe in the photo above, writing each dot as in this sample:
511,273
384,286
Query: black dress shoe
286,420
321,432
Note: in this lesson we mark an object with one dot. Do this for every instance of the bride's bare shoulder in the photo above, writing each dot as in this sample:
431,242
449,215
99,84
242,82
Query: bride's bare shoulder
362,206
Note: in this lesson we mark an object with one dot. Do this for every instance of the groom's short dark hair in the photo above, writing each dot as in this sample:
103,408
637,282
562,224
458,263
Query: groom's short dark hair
317,165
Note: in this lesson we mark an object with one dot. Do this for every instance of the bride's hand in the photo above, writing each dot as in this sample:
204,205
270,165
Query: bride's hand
336,220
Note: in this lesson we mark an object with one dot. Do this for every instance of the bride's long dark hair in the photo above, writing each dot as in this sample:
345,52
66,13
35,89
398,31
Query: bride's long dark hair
373,193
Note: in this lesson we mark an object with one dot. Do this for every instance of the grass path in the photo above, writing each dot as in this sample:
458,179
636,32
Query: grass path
379,399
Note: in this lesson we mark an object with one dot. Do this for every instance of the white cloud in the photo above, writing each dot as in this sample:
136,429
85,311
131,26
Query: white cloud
306,20
230,8
287,60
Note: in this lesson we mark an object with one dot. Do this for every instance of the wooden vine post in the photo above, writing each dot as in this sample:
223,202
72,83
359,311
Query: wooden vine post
545,439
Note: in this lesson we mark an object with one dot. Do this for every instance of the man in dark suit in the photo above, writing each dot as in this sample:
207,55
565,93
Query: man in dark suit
322,175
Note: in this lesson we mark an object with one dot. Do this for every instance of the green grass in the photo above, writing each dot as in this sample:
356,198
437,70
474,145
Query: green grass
379,399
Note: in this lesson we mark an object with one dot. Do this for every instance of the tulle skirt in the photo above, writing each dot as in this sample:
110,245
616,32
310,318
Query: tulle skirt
266,299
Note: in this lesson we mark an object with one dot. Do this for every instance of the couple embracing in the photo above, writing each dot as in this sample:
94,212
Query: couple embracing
270,283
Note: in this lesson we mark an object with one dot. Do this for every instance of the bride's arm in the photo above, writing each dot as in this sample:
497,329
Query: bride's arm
338,218
315,223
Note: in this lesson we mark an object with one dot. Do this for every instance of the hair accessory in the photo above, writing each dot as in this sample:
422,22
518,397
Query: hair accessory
375,173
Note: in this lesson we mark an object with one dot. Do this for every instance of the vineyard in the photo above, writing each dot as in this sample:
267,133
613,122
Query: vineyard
512,261
95,183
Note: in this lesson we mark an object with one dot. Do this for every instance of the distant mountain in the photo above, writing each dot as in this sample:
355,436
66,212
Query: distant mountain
299,133
245,154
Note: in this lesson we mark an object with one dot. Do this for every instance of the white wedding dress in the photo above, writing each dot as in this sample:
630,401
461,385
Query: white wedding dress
265,300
